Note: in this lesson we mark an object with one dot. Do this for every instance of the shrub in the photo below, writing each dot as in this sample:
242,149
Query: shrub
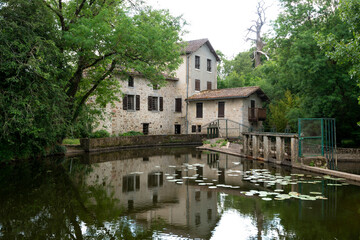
213,145
70,141
224,143
206,142
131,133
100,134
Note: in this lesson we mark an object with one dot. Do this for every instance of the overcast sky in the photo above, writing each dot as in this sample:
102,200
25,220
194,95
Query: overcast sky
224,22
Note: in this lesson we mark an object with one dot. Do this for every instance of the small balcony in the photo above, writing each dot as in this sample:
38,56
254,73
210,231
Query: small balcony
257,114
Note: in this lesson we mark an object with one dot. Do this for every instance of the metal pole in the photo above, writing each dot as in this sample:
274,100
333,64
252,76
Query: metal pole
226,128
322,137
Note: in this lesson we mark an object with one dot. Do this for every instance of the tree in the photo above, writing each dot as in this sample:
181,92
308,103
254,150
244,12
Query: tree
298,63
32,101
256,29
74,50
346,50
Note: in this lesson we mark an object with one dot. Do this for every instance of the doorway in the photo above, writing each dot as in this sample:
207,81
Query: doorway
177,129
145,128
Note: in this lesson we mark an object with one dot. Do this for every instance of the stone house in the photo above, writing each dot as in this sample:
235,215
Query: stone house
173,109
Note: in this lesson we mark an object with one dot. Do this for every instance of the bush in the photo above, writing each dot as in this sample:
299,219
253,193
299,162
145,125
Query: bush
206,142
131,133
100,134
70,141
224,143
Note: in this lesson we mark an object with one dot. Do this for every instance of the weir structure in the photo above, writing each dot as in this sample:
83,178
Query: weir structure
280,148
315,142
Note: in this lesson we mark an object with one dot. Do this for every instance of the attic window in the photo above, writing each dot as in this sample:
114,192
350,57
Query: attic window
197,62
131,81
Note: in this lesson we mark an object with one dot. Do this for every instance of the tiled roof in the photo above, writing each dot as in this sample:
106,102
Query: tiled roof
228,93
194,45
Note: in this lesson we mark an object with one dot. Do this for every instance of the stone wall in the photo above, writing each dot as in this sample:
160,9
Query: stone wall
112,143
235,110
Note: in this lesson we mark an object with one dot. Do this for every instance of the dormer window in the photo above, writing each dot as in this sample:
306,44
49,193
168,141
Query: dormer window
131,81
197,62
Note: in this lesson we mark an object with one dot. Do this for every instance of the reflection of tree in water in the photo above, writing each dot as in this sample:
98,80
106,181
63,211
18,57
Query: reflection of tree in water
42,201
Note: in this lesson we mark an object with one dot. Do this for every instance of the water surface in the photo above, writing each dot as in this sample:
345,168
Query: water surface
172,193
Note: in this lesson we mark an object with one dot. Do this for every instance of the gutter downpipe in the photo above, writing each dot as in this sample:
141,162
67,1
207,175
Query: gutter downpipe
187,93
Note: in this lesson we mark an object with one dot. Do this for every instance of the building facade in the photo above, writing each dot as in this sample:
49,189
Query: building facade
173,109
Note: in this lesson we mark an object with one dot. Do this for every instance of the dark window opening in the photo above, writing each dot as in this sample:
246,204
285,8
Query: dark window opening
209,65
178,105
193,128
197,219
145,128
131,81
197,85
209,214
145,159
155,179
177,129
178,174
130,204
154,106
197,195
131,183
199,128
221,112
199,172
197,62
155,199
199,110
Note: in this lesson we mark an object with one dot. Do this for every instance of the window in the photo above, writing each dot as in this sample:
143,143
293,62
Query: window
208,85
199,110
177,129
155,179
199,128
177,104
209,65
155,103
193,128
131,81
197,62
221,112
145,128
131,102
197,85
131,183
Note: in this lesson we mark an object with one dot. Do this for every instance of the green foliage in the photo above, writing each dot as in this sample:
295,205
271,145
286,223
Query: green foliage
131,133
213,145
70,141
206,142
55,57
285,113
100,134
224,143
33,104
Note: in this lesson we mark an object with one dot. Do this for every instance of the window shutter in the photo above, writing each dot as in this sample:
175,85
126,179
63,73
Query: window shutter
197,85
125,102
137,182
177,104
149,103
199,110
208,85
137,102
161,104
221,109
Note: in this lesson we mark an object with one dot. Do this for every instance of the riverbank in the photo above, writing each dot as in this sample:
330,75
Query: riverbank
235,149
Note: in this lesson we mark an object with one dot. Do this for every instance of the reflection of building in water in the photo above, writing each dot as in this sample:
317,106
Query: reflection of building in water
141,185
